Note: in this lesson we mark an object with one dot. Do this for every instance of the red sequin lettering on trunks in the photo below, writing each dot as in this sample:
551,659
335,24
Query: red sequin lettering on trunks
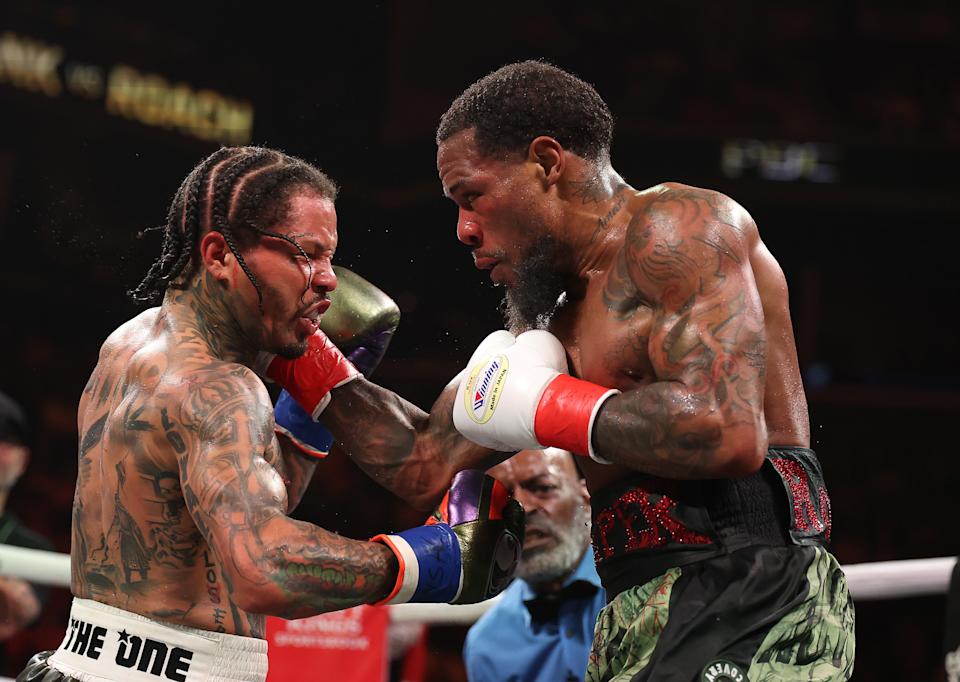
805,516
656,527
826,512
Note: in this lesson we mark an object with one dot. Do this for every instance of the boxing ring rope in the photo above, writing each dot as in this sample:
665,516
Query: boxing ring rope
868,581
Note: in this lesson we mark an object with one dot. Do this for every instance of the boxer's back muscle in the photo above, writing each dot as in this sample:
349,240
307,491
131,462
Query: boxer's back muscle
135,546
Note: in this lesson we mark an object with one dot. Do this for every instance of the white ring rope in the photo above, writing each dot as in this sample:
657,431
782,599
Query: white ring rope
879,580
35,565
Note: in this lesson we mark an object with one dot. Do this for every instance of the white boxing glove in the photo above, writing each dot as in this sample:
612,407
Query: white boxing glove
491,345
518,396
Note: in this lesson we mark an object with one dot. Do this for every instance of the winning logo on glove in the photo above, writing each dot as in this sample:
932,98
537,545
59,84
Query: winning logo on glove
483,388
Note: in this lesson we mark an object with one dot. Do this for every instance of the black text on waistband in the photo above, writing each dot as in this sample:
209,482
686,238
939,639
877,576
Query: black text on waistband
162,661
145,654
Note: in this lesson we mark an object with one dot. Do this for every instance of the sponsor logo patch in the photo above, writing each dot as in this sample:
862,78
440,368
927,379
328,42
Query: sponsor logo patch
722,670
484,387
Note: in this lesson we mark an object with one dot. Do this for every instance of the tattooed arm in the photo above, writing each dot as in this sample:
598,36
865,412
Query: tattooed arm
409,452
297,470
274,564
686,259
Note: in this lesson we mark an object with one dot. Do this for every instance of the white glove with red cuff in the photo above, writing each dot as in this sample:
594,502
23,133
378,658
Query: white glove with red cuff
518,396
309,378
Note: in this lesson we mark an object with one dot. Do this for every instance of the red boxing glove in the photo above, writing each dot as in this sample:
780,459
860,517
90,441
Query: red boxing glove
309,378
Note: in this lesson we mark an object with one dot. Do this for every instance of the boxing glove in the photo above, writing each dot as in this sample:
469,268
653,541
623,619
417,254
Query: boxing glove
310,377
518,396
467,551
361,322
309,437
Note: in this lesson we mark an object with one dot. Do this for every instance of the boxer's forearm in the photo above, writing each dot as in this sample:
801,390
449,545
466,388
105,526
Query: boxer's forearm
293,569
459,453
440,451
666,430
408,451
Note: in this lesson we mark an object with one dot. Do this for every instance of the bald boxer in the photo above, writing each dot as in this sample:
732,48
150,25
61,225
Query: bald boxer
654,341
182,541
545,619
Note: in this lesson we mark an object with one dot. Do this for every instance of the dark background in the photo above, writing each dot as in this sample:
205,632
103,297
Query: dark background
866,233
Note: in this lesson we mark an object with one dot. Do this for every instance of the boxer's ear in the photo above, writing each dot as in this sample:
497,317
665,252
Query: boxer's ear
547,153
216,256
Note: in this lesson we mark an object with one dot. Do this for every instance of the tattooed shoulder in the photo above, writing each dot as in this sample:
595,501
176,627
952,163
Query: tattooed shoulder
683,244
696,208
215,394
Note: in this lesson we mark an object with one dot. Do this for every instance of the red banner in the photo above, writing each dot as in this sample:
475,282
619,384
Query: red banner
347,646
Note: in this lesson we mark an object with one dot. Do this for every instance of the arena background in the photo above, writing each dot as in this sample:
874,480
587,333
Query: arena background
837,124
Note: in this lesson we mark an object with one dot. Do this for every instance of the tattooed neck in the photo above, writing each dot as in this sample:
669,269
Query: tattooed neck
204,316
598,204
596,185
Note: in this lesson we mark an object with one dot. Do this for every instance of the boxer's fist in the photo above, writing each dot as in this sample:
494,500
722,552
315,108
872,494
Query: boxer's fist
490,527
361,320
518,396
466,552
310,377
499,392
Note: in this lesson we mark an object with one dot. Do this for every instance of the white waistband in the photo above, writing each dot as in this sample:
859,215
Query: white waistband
107,643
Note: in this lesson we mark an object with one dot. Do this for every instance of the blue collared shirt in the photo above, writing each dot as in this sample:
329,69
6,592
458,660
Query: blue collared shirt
506,646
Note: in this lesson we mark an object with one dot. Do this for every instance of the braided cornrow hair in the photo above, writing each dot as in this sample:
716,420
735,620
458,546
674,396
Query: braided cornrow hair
237,191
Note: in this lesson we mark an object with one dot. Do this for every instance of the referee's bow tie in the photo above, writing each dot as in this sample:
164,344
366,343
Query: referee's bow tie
546,607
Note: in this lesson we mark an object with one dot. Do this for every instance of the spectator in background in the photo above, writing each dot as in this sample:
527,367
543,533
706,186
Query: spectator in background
542,628
952,634
20,601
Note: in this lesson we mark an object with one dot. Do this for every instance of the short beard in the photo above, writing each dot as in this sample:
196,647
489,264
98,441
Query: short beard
552,564
532,299
293,350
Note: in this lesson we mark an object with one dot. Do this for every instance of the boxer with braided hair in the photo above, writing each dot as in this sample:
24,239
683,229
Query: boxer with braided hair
181,536
204,205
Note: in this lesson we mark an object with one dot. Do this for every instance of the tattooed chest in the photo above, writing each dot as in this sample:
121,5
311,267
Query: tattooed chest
602,345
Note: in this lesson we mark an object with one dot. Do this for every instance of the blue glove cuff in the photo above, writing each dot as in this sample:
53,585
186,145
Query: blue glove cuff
313,438
430,564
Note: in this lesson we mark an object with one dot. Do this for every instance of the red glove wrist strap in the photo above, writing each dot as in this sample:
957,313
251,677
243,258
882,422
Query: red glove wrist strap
566,412
310,377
